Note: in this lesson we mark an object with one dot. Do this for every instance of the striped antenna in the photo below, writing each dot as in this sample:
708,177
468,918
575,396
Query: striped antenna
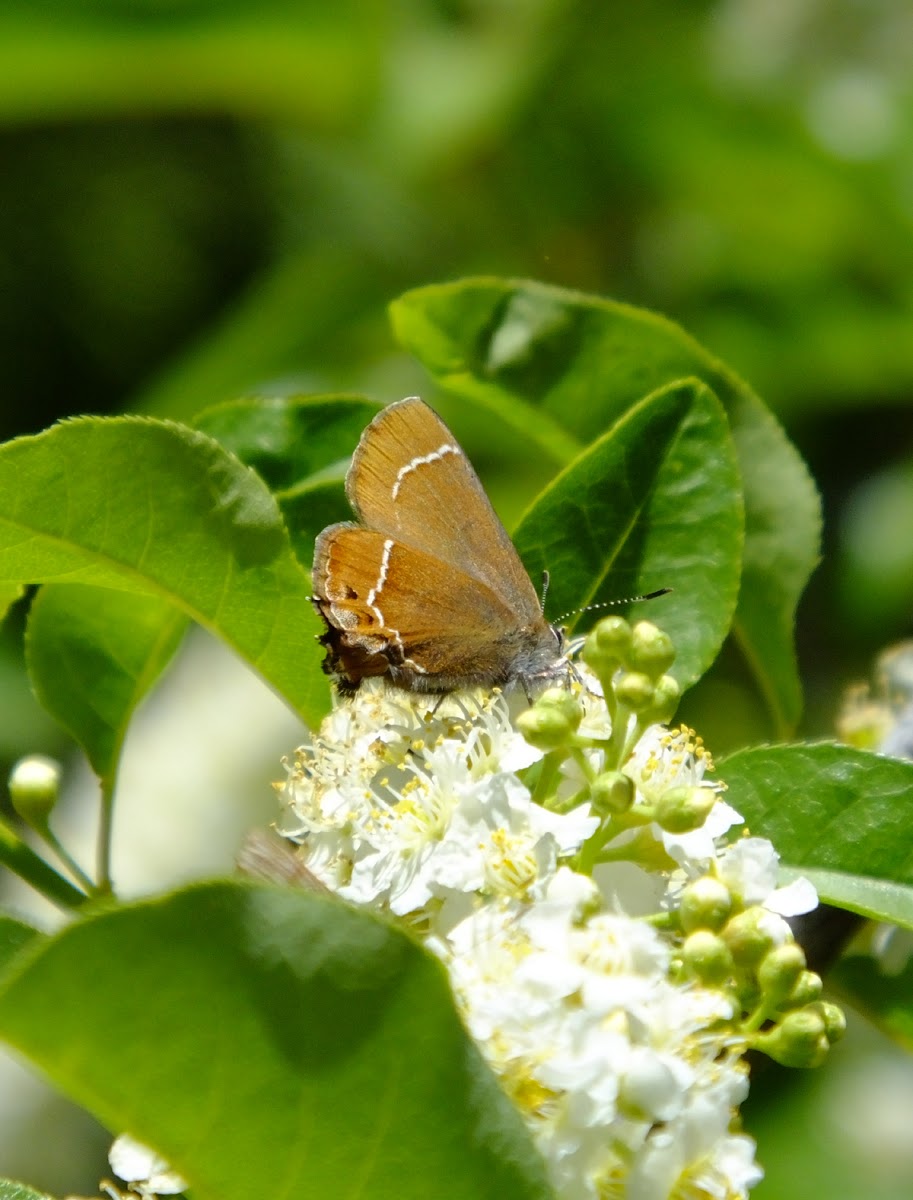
613,603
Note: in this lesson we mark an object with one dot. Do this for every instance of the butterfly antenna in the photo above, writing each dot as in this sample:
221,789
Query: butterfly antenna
613,603
545,579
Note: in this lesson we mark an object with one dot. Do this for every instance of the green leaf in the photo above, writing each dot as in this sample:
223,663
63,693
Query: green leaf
655,502
287,440
310,508
152,507
301,446
9,594
877,899
836,809
10,1190
14,936
92,654
580,362
887,1000
270,1042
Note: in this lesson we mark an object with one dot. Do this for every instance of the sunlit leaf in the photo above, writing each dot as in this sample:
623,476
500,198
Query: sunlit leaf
10,1190
847,812
14,936
9,594
655,502
152,507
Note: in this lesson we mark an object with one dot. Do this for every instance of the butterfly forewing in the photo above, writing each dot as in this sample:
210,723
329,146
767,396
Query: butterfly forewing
411,480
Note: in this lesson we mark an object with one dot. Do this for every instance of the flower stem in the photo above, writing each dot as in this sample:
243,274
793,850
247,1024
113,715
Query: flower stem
47,835
24,862
105,829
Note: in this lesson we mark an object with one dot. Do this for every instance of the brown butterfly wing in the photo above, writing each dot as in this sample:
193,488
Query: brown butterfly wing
434,629
411,480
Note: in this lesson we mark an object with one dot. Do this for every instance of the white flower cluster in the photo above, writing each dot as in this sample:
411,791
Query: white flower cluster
627,1066
626,1079
410,812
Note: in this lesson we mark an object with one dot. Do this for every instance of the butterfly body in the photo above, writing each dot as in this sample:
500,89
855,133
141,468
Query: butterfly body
426,587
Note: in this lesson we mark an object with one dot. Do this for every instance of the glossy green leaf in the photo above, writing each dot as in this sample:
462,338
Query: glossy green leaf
843,811
271,1042
14,936
877,899
151,507
93,654
560,367
301,446
886,1000
655,502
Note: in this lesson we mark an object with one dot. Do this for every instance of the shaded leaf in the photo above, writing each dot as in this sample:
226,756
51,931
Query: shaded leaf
268,1042
560,367
655,502
887,1000
301,446
309,509
287,440
92,655
152,507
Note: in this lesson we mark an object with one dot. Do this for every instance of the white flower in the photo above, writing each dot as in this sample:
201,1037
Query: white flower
147,1173
750,868
697,1155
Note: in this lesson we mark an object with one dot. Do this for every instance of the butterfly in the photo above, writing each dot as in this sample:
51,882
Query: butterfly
426,588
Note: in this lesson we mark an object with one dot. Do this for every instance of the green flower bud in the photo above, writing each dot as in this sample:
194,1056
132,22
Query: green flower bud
34,785
545,728
635,690
705,904
651,650
561,701
666,694
612,792
800,1040
607,645
834,1020
749,994
681,809
807,990
779,971
707,958
746,936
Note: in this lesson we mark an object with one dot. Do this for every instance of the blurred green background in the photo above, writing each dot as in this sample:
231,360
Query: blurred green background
201,198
